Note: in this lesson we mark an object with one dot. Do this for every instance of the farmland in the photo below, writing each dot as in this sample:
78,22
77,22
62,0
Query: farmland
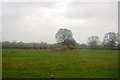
42,63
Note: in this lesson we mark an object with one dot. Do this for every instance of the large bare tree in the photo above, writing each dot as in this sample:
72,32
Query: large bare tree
110,40
65,37
93,41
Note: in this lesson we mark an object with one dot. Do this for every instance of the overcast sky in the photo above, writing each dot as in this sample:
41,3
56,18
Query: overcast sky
40,21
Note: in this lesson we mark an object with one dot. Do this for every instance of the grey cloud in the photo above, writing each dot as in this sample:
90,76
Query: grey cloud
29,4
40,21
92,10
0,21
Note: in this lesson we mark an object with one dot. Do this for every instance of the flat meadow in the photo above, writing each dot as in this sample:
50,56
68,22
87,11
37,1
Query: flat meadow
42,63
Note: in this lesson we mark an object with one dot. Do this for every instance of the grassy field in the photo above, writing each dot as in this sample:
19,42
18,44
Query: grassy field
18,63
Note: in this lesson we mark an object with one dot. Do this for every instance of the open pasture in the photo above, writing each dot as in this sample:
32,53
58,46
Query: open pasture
38,63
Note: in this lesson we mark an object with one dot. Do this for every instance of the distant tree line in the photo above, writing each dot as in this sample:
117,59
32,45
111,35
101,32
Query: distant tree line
110,41
31,45
64,38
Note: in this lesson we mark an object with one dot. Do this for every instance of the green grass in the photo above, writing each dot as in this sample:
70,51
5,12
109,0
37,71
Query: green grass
0,62
18,63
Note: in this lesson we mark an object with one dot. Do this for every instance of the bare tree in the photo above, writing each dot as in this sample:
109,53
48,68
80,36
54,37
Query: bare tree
93,41
118,41
110,40
118,38
65,37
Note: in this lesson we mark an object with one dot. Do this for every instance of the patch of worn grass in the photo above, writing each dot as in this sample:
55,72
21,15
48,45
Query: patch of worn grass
18,63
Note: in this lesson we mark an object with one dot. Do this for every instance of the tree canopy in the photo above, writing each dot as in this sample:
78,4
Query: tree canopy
93,41
65,37
110,39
